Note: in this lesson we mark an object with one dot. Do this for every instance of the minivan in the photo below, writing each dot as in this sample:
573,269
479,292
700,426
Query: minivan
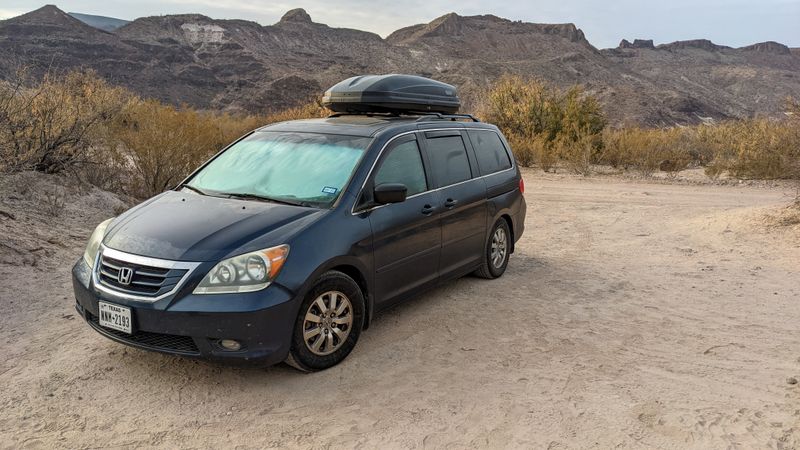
284,245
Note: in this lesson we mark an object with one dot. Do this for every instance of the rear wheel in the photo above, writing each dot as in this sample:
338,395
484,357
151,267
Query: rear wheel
329,323
498,250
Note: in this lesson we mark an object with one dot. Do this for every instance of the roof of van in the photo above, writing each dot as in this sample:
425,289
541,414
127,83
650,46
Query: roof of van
359,125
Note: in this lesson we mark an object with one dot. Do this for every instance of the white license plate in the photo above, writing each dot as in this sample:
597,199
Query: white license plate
115,317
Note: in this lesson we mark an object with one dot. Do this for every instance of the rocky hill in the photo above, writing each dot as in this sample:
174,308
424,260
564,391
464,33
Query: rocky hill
241,65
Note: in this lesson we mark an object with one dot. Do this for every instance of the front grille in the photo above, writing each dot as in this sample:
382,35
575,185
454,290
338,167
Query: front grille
148,281
154,341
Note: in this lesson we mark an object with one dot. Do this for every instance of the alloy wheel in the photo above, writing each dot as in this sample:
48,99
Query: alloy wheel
499,247
327,323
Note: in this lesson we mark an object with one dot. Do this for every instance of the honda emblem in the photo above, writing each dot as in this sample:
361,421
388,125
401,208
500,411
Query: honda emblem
125,276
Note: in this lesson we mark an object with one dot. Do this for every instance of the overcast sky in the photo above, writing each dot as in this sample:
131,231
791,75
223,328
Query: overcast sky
729,22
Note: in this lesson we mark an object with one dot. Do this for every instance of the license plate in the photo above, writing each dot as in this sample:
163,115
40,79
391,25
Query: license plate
115,317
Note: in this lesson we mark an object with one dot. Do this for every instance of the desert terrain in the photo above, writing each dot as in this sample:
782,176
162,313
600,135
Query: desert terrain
244,66
634,314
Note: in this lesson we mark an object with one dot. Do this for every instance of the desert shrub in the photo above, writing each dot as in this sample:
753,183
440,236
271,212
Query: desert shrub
703,142
161,144
541,121
536,150
581,116
106,167
793,111
755,149
50,126
616,150
577,149
648,150
110,138
636,148
523,148
675,145
307,111
545,155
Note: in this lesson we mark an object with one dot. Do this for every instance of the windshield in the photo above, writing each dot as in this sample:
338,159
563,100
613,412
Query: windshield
299,168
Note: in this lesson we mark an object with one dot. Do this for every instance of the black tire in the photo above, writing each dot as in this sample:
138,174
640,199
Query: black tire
301,356
488,269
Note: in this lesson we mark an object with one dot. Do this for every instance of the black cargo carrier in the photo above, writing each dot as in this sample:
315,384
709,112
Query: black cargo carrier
397,94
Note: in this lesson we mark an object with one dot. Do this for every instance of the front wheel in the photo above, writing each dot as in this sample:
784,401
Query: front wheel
498,250
329,323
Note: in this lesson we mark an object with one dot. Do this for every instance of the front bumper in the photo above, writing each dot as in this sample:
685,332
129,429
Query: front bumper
192,325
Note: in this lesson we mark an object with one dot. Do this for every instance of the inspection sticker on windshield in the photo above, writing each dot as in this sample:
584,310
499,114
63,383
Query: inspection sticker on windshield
329,190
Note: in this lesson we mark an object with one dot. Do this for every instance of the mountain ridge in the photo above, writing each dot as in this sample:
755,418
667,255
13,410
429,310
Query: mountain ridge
240,65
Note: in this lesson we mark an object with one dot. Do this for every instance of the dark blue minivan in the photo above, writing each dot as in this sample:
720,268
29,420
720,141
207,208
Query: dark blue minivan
284,245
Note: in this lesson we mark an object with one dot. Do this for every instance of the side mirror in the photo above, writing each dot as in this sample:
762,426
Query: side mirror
390,193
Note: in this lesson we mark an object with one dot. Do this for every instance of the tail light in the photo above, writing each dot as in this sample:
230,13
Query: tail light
521,185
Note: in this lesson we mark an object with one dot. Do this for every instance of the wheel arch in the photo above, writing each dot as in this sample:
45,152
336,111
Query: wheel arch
356,274
510,222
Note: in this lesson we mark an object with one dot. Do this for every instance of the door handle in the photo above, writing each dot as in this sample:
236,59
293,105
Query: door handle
427,210
449,203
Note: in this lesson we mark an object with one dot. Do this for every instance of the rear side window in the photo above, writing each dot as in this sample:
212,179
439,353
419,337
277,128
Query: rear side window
449,161
403,165
490,151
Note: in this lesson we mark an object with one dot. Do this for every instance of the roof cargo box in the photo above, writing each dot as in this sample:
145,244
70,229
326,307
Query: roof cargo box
391,94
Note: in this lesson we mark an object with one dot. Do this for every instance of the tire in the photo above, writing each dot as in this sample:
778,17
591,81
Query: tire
494,264
329,323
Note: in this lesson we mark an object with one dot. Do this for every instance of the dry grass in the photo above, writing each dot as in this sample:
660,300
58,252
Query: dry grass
551,128
113,139
744,149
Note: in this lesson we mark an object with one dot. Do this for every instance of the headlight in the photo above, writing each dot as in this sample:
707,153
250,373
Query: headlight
90,254
244,273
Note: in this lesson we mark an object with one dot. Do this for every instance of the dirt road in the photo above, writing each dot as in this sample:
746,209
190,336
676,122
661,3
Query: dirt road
633,315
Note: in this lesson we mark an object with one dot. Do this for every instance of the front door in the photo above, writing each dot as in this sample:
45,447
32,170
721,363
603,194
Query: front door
407,235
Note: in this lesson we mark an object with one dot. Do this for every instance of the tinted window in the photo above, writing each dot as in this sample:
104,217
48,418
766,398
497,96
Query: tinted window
449,161
403,165
492,155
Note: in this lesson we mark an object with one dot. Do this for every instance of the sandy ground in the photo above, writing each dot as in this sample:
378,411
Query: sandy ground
633,315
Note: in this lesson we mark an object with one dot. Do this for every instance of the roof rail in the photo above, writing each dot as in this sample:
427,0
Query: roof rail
423,116
453,117
368,114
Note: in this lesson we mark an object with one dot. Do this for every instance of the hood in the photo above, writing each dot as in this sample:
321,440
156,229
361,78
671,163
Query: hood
184,226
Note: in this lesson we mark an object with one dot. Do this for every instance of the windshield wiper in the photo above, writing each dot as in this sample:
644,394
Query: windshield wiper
262,198
192,188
